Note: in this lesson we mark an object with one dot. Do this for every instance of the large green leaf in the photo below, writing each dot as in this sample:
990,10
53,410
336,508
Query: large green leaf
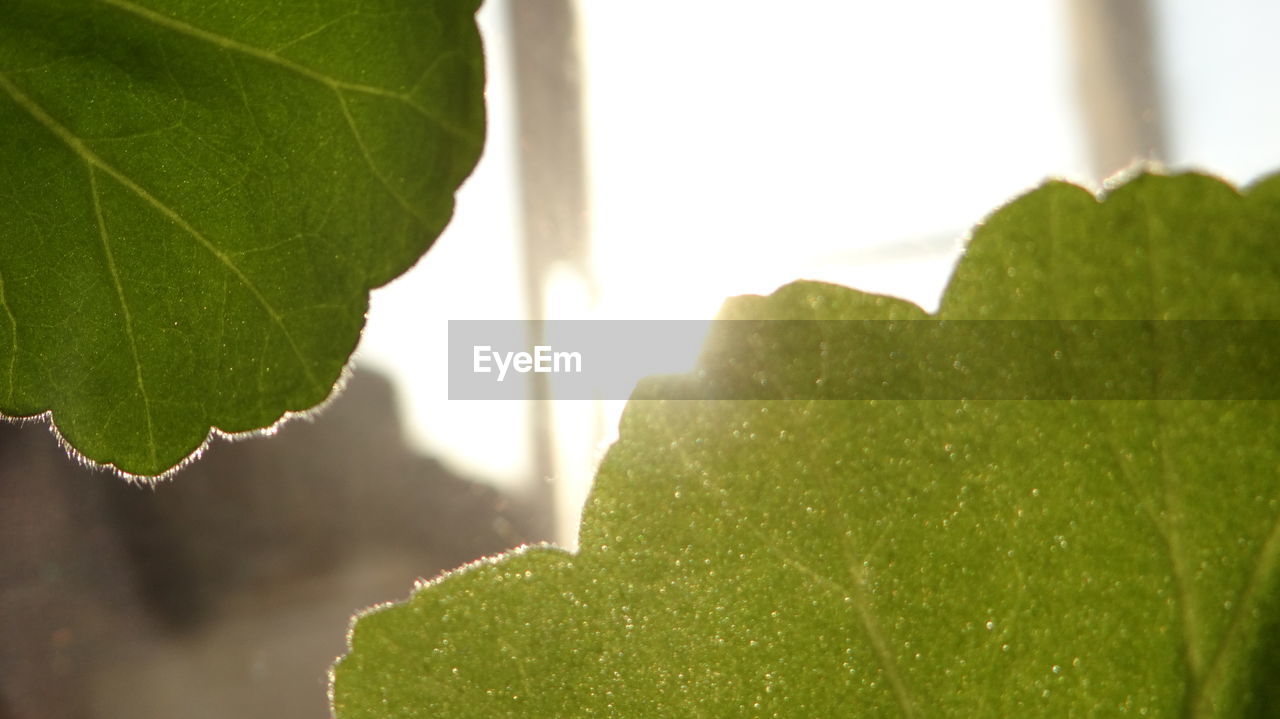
906,558
196,197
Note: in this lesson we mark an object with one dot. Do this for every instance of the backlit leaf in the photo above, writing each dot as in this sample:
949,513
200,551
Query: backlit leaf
196,198
946,557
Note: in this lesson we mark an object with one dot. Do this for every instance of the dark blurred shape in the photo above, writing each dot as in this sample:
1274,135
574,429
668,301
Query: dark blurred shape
225,591
1118,83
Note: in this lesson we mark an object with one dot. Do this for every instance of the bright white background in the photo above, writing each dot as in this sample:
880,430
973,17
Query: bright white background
735,146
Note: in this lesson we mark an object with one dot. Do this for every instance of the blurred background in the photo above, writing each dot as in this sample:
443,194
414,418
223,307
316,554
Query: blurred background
645,160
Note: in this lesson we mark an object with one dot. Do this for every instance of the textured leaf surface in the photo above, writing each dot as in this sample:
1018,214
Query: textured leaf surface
906,558
197,197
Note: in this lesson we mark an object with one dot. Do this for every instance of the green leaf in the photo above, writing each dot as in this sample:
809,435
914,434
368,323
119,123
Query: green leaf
905,558
196,199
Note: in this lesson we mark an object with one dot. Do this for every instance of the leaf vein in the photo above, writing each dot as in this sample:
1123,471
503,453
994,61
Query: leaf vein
1266,564
368,159
1166,533
13,340
274,59
865,617
93,160
870,626
1188,613
124,308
